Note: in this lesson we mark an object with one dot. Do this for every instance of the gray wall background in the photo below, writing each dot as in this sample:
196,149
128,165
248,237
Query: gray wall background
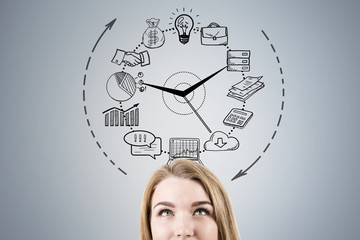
55,185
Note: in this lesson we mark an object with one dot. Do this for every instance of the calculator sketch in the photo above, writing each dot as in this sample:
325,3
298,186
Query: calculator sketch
237,118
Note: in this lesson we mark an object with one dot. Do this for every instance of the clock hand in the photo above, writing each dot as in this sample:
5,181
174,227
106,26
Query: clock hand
185,92
197,114
165,89
198,84
179,93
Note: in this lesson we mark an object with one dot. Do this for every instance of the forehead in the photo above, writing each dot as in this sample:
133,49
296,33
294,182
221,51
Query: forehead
173,188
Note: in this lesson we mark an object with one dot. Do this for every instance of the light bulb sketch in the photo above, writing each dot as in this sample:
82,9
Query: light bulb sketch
184,24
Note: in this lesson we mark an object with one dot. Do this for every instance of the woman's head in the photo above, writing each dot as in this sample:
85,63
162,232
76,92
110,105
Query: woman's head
185,198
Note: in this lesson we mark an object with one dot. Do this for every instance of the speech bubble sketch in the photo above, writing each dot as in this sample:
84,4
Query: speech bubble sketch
154,150
219,141
139,138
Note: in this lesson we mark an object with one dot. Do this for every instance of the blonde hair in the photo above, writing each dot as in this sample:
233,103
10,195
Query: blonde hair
187,169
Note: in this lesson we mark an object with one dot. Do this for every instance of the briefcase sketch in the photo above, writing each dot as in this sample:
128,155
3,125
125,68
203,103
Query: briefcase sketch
214,35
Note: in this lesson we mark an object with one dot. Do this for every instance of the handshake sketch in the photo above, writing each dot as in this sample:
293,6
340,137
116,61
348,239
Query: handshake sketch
131,58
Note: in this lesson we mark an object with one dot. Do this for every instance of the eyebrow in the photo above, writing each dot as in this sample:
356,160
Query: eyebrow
168,204
198,203
195,204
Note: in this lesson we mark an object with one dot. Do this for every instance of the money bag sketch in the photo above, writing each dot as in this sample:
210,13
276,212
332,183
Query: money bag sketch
153,36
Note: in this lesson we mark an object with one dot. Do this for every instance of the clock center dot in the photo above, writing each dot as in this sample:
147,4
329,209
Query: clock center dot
183,86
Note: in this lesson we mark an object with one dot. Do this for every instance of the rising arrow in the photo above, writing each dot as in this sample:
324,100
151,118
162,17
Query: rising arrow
108,27
134,106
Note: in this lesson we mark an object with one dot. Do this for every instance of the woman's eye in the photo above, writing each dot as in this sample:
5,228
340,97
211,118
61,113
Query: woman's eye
201,211
165,213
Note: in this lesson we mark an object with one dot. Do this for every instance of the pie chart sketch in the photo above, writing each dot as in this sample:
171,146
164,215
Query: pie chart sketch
121,86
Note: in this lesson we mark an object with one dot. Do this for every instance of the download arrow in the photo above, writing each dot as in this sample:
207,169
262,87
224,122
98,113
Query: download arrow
220,143
108,27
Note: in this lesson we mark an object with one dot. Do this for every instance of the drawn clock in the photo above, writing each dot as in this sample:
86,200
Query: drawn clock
204,92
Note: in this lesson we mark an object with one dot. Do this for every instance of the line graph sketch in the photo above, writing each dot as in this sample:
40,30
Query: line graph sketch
184,148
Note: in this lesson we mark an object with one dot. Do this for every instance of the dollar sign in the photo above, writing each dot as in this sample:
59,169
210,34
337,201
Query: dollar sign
153,39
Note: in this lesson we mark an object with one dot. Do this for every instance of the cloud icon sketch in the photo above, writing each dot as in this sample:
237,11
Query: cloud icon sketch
219,141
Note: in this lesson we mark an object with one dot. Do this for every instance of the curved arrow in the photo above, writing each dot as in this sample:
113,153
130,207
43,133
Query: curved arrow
108,27
243,173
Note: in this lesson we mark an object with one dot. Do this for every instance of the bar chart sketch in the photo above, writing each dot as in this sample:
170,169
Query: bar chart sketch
115,117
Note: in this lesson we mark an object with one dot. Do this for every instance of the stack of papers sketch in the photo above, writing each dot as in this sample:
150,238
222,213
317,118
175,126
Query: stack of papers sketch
246,88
